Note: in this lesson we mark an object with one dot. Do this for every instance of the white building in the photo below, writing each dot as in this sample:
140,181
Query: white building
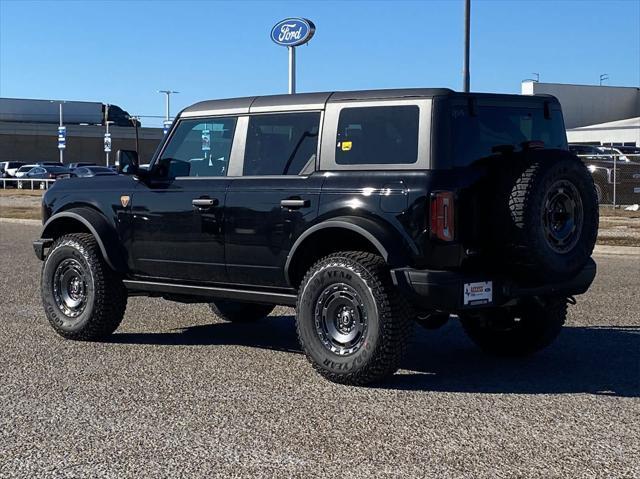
595,114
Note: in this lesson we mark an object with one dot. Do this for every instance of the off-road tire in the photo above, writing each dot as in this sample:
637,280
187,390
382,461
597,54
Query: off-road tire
496,332
106,296
388,318
528,249
240,312
602,194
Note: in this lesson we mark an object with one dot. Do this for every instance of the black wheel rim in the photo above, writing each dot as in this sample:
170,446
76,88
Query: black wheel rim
562,216
70,287
341,319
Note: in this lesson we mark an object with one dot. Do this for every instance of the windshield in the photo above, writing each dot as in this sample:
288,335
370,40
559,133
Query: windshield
477,136
25,168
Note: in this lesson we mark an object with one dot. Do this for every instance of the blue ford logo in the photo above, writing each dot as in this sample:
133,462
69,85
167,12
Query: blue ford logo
291,32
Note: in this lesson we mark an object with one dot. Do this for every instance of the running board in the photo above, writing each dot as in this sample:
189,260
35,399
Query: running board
211,292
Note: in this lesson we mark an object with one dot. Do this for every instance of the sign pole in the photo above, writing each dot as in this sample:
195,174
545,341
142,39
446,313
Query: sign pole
61,150
290,33
106,149
292,70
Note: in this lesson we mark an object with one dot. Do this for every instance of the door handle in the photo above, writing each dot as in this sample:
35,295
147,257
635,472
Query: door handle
204,202
294,203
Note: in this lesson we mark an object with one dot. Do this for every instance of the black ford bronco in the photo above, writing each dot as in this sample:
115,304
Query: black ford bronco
367,211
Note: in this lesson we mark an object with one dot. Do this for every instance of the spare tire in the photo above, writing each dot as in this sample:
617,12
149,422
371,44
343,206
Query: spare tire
551,214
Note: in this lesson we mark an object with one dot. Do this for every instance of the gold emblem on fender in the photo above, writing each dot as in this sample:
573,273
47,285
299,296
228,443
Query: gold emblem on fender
124,199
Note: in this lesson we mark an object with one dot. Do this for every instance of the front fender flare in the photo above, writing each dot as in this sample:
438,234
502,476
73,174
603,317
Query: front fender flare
104,233
390,244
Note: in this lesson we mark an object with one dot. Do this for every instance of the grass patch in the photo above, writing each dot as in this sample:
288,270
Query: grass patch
18,192
21,212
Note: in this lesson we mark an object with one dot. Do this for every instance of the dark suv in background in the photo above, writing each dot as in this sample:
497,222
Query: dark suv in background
365,210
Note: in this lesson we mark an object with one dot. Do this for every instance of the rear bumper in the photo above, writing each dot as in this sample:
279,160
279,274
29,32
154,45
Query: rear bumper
445,290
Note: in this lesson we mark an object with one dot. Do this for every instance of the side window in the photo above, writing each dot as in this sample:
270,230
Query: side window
281,144
199,148
378,135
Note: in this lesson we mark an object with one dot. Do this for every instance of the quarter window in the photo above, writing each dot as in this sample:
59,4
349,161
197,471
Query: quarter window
281,144
200,147
378,135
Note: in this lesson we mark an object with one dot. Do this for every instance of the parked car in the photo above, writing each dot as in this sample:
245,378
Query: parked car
79,164
614,152
89,171
44,173
10,167
600,162
23,170
633,151
49,163
365,210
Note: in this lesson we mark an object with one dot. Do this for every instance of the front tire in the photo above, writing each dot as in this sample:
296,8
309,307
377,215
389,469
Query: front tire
83,298
530,327
352,325
239,312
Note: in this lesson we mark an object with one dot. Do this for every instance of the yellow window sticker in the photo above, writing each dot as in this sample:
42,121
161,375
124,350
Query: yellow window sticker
346,145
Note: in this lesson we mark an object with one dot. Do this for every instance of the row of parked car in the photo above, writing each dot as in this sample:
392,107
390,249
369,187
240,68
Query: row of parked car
605,163
50,170
609,165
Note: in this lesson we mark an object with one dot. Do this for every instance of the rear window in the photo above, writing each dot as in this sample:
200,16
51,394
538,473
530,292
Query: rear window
378,135
476,136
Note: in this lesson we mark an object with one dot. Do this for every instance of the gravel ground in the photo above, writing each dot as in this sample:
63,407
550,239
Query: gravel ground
179,393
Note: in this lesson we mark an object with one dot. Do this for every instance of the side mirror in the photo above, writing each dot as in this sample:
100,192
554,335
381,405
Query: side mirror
127,162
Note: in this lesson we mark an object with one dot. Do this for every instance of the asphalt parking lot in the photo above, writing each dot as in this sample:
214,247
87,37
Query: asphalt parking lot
179,393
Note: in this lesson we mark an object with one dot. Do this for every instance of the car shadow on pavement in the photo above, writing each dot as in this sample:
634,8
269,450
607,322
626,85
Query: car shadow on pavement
602,360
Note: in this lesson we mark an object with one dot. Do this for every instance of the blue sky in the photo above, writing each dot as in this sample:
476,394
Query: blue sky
122,52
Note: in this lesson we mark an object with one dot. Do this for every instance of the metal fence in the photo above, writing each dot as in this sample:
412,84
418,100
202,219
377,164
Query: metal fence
26,184
616,177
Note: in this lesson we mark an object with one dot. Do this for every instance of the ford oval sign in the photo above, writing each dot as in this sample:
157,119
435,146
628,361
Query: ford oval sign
292,32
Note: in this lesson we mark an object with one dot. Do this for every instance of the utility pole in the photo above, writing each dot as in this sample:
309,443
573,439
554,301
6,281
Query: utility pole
167,103
466,76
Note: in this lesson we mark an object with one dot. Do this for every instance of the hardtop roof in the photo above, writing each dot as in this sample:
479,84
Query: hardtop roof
317,101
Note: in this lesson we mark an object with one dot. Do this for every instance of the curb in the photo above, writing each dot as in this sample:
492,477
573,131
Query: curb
21,221
617,250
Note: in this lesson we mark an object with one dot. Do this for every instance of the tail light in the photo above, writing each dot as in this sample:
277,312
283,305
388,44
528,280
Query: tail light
443,215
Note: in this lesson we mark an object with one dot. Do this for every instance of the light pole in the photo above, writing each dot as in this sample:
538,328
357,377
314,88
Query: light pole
603,77
134,120
466,76
107,140
167,103
62,131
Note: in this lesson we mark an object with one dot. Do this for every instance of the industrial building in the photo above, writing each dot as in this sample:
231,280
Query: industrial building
595,114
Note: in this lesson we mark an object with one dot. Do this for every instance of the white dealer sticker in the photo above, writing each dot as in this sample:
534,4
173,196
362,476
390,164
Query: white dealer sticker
478,293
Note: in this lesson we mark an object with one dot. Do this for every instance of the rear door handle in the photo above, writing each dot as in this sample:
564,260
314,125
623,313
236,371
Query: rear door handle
294,203
204,202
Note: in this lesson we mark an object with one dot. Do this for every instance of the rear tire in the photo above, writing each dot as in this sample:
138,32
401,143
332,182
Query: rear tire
520,332
352,324
83,298
240,312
